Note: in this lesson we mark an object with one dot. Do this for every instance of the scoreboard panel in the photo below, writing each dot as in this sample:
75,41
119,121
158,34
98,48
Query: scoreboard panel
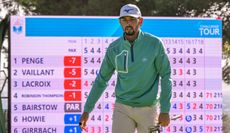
55,59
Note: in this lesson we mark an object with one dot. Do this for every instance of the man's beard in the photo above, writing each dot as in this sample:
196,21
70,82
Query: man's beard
129,31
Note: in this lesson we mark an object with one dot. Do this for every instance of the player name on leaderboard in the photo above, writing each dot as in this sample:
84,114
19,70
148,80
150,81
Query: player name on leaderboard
54,61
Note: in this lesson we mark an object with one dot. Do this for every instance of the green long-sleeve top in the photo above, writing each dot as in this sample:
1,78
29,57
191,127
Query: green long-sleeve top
139,66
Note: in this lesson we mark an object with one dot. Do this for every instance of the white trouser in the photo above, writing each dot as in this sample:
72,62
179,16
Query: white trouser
127,119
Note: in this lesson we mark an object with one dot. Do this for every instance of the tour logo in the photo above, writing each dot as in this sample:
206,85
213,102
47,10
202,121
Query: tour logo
18,26
210,30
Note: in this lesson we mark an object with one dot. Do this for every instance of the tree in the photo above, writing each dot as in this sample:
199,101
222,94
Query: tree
102,8
4,23
226,123
3,29
50,7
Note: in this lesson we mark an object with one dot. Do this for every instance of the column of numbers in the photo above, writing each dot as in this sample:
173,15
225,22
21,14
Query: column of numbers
92,58
194,65
187,61
72,93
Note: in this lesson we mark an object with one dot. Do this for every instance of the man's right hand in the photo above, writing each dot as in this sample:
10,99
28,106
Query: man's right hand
83,120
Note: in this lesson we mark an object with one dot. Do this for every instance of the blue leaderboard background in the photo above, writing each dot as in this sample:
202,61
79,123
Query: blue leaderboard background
110,27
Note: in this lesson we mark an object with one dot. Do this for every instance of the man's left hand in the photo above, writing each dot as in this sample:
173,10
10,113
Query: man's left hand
164,119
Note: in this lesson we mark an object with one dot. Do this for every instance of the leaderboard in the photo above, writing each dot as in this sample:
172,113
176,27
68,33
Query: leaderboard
54,61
